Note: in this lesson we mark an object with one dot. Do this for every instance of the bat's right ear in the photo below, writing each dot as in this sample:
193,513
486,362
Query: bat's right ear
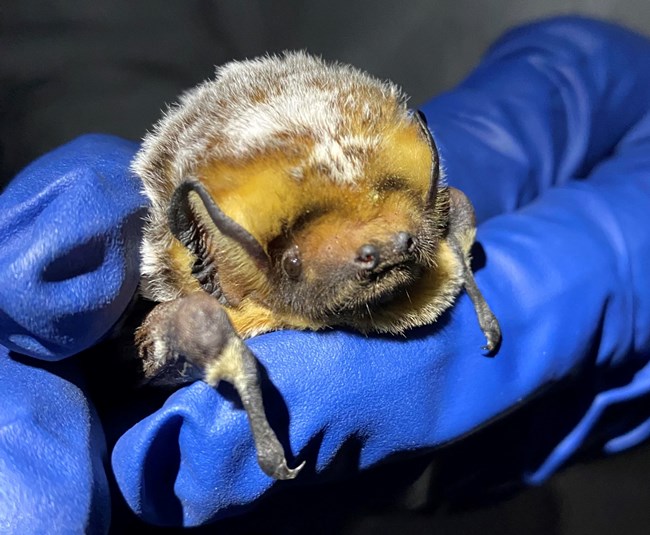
434,179
196,219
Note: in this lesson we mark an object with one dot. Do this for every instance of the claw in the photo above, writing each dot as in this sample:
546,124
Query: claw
492,333
274,464
489,347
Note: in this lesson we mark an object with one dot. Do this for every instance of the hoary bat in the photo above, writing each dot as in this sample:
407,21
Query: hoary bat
292,193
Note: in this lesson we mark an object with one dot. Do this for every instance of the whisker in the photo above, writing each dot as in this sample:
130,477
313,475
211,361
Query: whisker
372,321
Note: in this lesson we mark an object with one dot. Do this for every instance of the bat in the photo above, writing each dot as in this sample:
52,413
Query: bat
292,193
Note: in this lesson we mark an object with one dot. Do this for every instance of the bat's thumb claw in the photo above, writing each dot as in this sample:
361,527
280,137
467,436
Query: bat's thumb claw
284,472
275,466
492,332
493,339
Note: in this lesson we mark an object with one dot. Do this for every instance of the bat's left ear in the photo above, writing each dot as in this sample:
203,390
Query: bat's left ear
196,219
434,178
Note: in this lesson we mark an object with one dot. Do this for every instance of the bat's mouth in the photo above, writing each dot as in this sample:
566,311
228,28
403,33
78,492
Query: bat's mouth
376,289
386,271
391,282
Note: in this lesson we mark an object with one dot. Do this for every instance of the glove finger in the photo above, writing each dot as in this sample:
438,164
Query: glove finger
69,237
548,101
617,394
148,458
52,449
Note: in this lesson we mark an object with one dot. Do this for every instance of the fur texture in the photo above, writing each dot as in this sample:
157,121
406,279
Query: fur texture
275,140
252,108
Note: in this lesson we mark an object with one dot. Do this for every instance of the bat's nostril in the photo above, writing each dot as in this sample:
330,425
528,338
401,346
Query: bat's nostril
367,257
404,242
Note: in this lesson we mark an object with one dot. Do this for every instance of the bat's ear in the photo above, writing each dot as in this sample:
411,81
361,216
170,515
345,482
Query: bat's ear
434,178
198,222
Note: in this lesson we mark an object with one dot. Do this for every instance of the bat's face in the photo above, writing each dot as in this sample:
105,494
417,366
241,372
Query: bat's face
354,248
353,251
315,250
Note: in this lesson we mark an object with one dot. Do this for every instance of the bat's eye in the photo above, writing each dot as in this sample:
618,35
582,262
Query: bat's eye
292,263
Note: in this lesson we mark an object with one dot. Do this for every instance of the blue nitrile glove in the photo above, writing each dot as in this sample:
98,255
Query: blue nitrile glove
69,236
551,103
52,450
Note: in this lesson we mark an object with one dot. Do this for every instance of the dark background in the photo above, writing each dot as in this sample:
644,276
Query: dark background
72,67
69,67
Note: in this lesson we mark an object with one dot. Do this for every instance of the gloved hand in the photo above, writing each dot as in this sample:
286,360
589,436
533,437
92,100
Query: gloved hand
69,235
551,103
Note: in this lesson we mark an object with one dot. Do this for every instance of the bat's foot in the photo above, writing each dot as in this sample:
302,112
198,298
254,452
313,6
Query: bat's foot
486,318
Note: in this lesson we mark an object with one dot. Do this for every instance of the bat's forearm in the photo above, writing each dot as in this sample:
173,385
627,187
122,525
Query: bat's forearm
461,233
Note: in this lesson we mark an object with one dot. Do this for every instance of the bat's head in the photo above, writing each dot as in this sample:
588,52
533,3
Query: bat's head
311,191
351,251
315,251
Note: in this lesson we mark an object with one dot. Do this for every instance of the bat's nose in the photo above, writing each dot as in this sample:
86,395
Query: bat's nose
367,257
403,243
